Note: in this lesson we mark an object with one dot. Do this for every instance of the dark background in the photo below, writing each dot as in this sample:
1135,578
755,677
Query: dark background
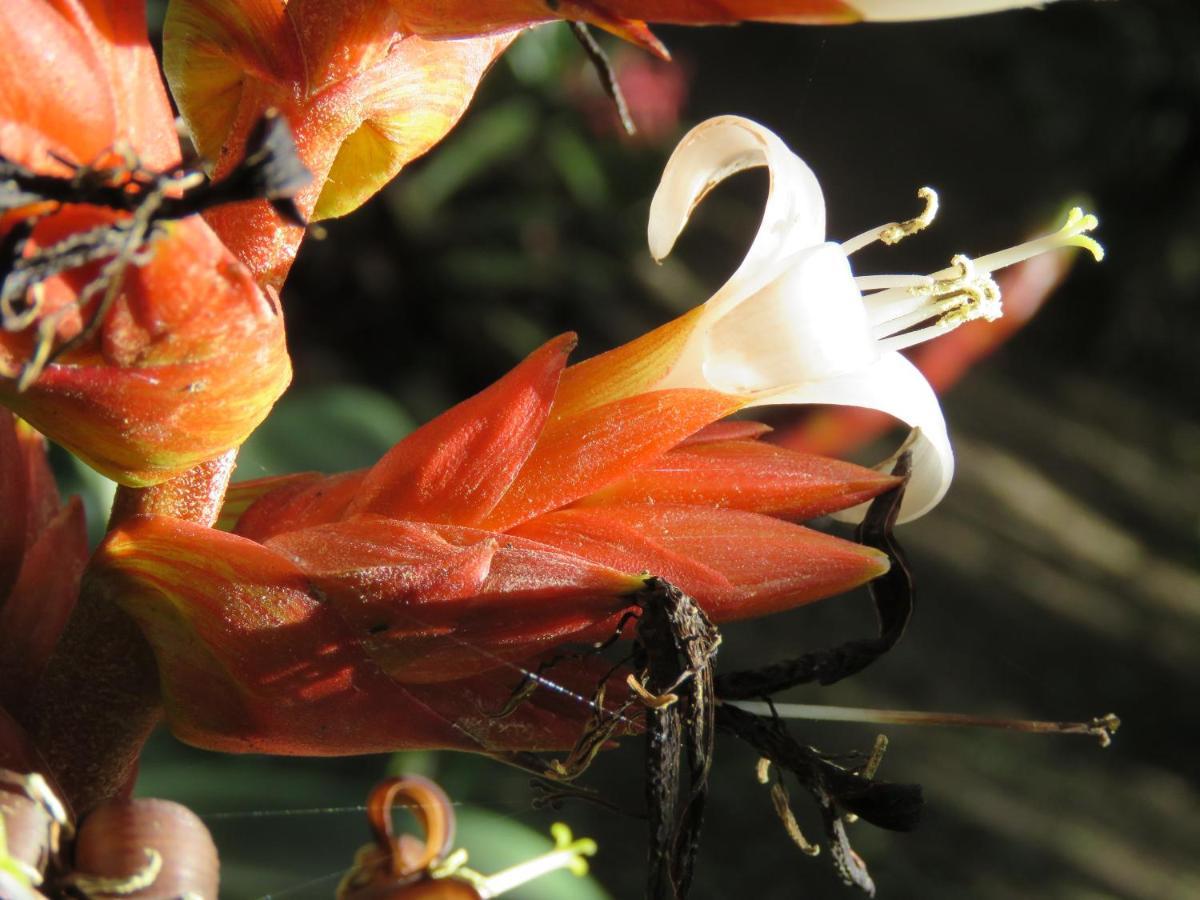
1058,580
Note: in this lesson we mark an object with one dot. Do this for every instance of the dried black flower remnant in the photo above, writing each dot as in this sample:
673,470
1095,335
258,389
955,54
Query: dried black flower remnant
271,169
892,594
675,649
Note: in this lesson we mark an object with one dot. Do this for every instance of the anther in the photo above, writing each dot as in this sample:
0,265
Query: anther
894,234
978,300
963,269
783,809
652,700
762,770
897,231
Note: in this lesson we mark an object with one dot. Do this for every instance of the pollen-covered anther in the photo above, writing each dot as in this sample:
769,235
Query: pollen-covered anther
957,295
962,269
895,233
654,701
979,300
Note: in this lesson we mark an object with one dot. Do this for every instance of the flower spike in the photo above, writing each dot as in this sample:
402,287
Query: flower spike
434,581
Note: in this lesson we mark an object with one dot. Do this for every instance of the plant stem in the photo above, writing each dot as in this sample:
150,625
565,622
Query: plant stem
1101,727
99,698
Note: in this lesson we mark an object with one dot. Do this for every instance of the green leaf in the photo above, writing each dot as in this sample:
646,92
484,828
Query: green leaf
330,429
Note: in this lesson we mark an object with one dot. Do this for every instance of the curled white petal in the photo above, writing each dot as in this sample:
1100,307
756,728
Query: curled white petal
904,10
794,216
895,386
807,324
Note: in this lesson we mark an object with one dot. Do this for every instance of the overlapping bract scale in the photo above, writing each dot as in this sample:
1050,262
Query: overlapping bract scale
190,356
43,548
482,541
362,95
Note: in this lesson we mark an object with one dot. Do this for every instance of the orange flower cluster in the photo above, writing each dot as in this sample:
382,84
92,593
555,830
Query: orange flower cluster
390,607
190,356
371,610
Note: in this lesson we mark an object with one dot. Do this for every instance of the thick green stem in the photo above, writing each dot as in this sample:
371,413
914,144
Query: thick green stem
99,698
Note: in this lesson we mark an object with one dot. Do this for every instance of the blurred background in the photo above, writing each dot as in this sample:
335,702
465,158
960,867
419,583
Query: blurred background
1060,578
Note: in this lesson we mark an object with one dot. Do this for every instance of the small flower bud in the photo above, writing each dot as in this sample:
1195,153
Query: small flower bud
145,849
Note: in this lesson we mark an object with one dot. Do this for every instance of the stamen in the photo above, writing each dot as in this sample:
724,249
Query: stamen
872,766
891,282
568,853
653,701
980,300
891,305
960,297
1102,727
783,808
1073,233
894,232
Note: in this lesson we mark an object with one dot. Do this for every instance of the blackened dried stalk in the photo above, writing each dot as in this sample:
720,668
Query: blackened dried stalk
892,594
271,169
674,652
604,71
838,791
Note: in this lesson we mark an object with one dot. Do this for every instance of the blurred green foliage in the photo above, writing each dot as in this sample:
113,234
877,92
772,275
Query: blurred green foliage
331,428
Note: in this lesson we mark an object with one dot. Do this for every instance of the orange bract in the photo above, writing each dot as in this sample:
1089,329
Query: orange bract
43,548
478,543
362,95
190,356
624,18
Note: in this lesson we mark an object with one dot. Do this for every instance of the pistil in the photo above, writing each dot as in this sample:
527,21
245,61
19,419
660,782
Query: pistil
961,293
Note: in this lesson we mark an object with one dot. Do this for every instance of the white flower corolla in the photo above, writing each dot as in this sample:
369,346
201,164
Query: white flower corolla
794,325
905,10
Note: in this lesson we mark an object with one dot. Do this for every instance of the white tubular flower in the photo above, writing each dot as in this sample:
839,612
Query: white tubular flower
794,325
906,10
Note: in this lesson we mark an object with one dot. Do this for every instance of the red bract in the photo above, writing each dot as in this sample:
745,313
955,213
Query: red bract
628,18
363,96
391,608
43,548
190,356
